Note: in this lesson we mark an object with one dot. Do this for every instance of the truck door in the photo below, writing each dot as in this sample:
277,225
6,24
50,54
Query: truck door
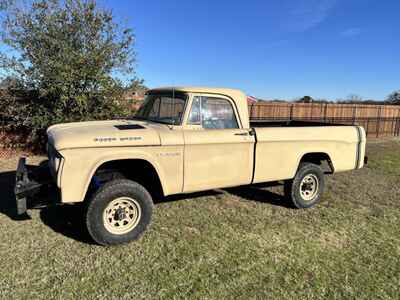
217,152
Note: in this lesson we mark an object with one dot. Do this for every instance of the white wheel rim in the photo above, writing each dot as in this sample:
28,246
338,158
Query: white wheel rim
309,187
121,215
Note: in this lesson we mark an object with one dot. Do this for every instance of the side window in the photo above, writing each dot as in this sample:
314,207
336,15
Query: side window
194,116
217,113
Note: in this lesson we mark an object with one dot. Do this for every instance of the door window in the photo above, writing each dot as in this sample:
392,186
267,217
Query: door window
212,113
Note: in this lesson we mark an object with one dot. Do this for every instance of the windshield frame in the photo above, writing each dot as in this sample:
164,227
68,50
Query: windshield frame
179,95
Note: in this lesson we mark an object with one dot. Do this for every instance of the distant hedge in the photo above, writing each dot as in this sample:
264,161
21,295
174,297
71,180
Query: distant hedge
25,115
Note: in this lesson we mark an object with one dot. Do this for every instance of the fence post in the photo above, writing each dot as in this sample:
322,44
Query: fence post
398,126
378,123
354,114
393,127
291,112
397,132
251,111
325,110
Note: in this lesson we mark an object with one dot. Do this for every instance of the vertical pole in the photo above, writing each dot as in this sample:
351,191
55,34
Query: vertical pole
393,125
291,112
321,113
367,129
325,110
251,111
398,123
398,127
354,114
378,122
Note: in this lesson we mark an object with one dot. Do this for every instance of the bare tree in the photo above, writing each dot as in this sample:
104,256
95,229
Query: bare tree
394,98
354,98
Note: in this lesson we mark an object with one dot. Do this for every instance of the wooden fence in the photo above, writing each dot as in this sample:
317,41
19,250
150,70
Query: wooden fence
377,120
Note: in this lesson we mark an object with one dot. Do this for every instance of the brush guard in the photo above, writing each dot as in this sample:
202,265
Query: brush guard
29,181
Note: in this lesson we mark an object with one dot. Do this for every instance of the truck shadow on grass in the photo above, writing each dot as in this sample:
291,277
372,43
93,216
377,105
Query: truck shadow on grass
7,199
258,193
69,220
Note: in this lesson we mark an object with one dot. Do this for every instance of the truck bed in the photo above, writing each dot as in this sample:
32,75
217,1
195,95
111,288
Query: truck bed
280,146
289,123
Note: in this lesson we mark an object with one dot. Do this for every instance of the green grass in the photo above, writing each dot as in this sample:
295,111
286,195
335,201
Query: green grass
237,244
387,159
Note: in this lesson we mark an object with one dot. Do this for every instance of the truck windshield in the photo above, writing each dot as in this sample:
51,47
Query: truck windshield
165,107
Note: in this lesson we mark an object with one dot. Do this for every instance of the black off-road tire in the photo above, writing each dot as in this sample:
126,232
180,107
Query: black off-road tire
100,200
293,188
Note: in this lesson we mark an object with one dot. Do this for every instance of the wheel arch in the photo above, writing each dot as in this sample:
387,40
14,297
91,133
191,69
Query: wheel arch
318,158
151,178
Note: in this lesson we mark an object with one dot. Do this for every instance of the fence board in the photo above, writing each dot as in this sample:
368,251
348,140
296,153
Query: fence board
377,120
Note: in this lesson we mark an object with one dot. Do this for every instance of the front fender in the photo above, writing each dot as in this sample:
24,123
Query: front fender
81,164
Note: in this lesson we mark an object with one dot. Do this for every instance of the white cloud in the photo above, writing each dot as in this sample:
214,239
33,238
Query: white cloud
306,14
350,32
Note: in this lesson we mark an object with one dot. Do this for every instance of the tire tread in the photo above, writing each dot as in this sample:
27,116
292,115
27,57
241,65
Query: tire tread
291,186
103,196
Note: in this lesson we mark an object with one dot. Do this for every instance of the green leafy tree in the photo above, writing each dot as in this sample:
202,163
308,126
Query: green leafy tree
305,99
66,58
394,98
137,84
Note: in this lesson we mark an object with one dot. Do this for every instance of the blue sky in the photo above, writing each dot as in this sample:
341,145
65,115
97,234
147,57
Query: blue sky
270,49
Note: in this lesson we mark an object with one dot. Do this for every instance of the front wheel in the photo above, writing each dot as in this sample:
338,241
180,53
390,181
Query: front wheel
306,188
118,212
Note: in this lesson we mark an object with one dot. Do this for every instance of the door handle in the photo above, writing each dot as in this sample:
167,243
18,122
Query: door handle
241,133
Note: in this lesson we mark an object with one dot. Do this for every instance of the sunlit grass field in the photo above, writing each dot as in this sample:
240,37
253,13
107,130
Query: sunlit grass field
242,243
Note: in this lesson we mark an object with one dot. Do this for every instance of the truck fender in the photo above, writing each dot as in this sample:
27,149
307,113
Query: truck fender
137,156
315,156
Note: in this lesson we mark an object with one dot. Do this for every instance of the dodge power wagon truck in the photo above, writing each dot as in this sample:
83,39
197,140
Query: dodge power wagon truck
183,140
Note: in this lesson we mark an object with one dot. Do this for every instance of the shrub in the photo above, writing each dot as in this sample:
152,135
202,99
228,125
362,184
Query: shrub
69,56
27,114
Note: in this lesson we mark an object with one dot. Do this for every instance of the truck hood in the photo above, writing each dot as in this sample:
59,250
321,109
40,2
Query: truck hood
116,133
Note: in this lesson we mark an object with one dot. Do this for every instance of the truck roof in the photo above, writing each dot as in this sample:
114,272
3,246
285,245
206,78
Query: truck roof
232,93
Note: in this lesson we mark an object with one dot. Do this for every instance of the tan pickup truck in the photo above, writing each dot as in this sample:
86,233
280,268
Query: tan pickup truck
183,140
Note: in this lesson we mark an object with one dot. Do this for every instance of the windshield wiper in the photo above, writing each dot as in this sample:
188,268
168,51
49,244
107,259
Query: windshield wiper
148,120
159,121
137,118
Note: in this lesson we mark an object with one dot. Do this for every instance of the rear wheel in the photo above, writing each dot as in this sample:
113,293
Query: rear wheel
306,188
118,212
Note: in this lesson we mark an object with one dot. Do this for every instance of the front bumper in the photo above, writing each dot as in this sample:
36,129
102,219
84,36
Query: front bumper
29,181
